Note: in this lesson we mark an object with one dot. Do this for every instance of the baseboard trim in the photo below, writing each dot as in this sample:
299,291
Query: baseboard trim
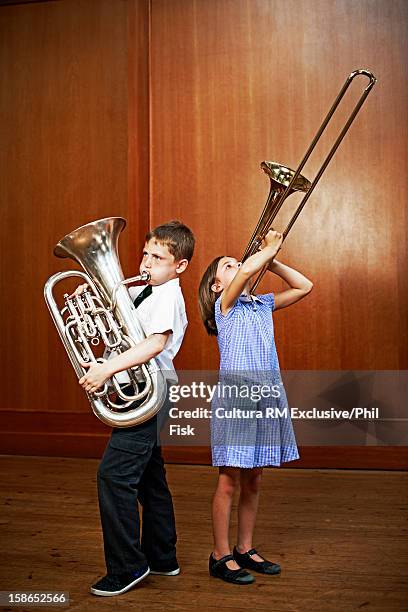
53,434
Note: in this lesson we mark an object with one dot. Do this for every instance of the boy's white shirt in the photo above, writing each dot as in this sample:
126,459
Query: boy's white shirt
164,309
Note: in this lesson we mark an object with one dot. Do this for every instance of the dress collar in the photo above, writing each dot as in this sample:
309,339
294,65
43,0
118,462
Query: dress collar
252,298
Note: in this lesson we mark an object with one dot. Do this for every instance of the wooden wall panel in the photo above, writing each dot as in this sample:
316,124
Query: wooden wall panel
235,82
73,78
138,131
164,109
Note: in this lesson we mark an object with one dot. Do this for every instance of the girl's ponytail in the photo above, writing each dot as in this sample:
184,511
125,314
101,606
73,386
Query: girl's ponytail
207,297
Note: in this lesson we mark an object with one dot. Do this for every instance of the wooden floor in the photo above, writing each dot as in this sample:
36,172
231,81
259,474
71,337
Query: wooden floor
340,536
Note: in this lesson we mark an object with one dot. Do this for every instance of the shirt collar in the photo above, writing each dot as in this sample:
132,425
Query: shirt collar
172,281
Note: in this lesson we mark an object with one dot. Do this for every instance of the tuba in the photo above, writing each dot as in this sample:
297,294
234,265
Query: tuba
104,315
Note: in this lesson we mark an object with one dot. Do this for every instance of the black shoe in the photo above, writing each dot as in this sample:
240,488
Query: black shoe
219,569
263,567
117,584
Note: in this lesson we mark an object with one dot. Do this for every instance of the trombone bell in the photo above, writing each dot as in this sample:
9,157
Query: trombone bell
281,176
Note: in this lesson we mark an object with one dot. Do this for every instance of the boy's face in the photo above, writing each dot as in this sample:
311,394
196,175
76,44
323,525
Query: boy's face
159,263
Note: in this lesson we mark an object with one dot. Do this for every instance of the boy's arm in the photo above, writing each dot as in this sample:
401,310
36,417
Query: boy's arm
300,286
249,268
145,350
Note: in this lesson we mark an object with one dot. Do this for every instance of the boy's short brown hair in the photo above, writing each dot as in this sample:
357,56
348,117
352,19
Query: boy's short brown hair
178,238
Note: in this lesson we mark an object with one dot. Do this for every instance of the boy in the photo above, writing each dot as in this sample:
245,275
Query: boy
132,469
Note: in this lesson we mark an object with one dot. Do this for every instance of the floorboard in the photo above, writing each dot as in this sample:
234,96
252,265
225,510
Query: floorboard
340,536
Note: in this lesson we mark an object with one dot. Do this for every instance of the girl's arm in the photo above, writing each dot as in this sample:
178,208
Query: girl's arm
249,268
300,286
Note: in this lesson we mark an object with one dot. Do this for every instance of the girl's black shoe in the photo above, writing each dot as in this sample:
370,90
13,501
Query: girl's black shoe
263,567
219,569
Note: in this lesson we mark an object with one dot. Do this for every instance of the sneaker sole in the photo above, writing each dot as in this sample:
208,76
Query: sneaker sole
173,573
126,588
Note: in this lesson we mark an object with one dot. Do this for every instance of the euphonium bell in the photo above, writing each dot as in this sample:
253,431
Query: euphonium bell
104,315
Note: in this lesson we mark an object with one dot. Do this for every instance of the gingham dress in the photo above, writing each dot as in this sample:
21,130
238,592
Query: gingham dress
248,355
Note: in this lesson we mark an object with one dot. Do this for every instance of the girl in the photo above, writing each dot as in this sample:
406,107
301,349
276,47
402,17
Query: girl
245,436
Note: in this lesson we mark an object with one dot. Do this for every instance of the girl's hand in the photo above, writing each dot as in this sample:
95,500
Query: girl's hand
96,377
273,240
80,289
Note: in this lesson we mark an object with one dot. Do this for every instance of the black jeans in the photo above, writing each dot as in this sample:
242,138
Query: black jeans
132,471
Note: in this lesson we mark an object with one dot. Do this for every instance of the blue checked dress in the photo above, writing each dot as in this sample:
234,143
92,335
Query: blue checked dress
243,432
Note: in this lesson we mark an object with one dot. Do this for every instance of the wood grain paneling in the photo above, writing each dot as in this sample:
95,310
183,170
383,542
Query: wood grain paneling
138,82
164,109
235,82
74,84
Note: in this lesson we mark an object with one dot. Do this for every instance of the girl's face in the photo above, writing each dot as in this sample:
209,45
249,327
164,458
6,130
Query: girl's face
226,270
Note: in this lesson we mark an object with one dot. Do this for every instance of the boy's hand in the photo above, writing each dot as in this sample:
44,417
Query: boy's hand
80,289
96,377
273,240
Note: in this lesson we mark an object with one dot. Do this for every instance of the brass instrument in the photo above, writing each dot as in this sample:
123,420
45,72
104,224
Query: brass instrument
285,181
104,313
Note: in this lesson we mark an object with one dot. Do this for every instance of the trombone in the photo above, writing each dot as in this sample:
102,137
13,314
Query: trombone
285,181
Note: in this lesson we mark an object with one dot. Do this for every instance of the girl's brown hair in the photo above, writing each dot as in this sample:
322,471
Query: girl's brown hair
207,297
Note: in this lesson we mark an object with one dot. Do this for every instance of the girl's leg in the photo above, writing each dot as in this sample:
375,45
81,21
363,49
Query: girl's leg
228,480
250,480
